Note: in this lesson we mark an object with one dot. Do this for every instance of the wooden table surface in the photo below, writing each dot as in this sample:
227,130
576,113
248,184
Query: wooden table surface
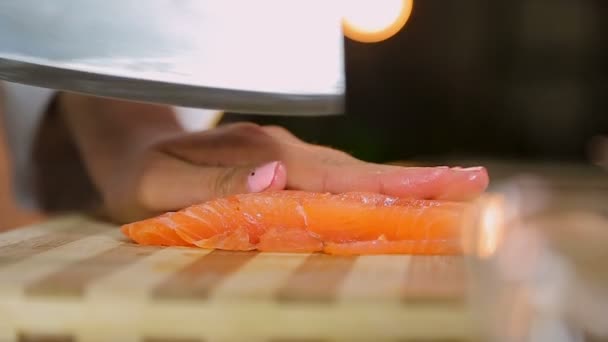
73,278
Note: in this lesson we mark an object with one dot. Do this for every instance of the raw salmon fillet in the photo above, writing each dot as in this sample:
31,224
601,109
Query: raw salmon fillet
297,221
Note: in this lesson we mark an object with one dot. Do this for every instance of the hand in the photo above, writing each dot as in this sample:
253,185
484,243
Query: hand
144,164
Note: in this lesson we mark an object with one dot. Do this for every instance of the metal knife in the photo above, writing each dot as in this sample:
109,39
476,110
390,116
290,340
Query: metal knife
281,57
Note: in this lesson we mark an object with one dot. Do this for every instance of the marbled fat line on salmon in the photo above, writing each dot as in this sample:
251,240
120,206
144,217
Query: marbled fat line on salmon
298,221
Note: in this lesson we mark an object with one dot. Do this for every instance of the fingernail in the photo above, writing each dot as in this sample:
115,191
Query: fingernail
261,178
468,169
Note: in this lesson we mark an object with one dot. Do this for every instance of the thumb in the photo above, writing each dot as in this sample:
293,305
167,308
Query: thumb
177,185
229,181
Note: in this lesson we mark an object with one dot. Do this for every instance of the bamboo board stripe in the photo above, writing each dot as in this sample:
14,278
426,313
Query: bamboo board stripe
385,272
32,246
72,281
317,279
263,276
32,252
435,278
38,266
198,279
135,282
256,322
35,230
147,273
29,337
23,249
169,339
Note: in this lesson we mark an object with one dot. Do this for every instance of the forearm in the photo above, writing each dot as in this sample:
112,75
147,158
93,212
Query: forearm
110,133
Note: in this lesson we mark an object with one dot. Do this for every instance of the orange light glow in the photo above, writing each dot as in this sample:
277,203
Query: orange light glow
371,21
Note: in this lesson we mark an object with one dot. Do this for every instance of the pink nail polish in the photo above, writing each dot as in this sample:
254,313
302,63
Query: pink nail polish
261,178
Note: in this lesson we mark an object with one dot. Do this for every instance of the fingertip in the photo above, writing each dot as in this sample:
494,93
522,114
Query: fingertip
477,177
483,179
439,183
466,183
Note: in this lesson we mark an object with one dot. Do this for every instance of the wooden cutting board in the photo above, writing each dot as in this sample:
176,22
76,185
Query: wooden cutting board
76,279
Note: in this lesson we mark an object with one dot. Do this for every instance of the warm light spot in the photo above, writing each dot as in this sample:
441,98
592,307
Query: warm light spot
491,227
371,21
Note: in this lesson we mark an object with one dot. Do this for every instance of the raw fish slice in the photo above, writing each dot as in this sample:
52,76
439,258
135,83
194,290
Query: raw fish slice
298,221
289,241
237,240
155,231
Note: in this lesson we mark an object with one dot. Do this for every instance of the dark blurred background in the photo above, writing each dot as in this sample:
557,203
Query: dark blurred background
518,79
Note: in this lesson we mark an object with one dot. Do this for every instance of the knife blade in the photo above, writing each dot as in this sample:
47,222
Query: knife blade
264,57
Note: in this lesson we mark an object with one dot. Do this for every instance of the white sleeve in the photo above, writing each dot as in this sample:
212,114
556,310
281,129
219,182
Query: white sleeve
197,119
24,108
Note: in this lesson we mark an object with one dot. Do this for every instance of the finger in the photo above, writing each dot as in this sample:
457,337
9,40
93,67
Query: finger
282,133
464,183
173,184
235,145
413,182
407,182
442,183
